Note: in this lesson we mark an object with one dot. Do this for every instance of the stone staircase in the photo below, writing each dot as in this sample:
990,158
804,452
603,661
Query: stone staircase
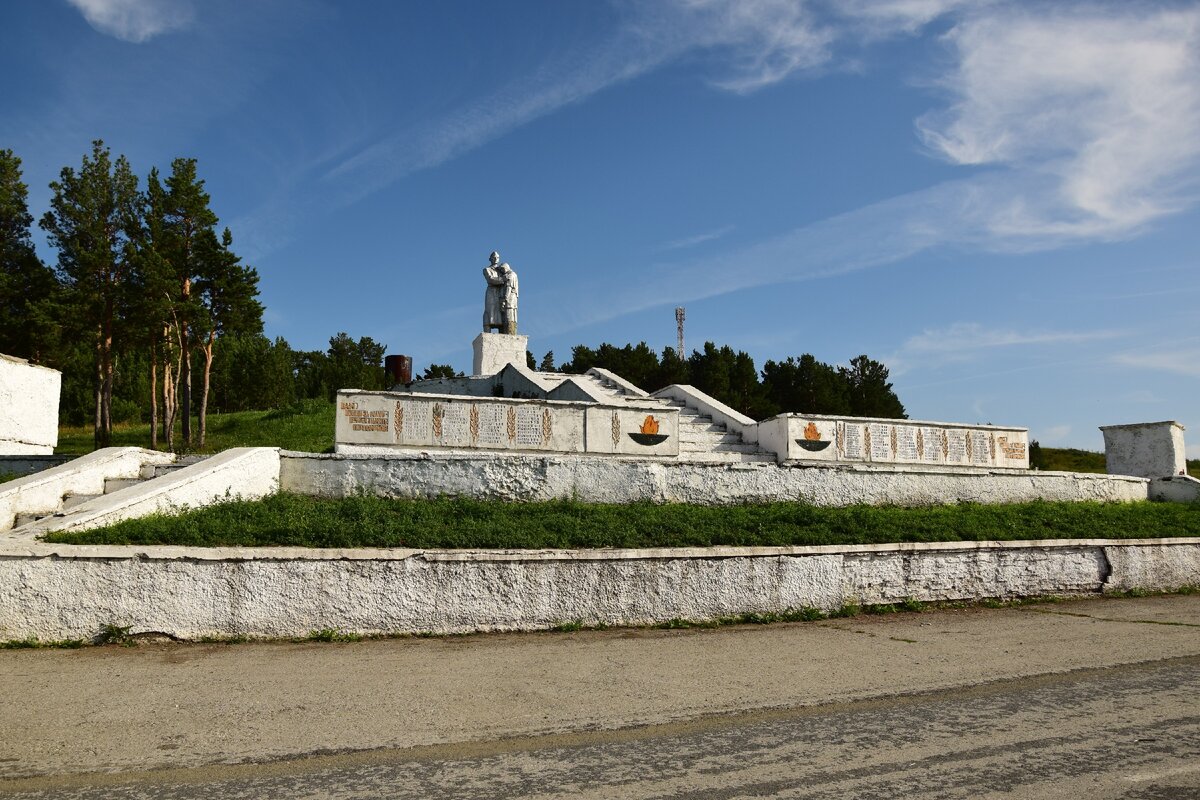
700,438
70,501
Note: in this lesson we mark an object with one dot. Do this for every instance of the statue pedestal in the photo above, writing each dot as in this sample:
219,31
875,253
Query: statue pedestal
494,351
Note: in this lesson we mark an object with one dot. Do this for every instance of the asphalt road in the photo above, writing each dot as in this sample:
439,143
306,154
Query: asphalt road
1096,699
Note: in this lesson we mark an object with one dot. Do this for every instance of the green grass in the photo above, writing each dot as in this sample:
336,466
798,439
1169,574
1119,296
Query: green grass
295,520
306,426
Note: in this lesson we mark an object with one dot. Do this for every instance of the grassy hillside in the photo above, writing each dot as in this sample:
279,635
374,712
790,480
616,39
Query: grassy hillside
1070,460
305,426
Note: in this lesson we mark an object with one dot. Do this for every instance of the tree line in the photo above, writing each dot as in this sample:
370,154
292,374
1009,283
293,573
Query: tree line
148,312
801,384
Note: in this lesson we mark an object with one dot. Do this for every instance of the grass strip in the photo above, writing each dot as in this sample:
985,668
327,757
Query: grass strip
458,523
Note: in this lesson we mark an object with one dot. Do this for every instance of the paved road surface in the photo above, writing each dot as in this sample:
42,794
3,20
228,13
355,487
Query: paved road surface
1097,699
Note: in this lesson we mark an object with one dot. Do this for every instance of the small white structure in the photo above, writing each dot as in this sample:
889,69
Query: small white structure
28,407
495,351
1145,449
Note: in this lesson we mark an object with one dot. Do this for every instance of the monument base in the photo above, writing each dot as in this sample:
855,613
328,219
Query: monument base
494,351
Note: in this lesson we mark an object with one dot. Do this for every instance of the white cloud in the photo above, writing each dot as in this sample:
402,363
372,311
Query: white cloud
881,18
135,20
1100,112
700,238
1180,362
965,337
761,41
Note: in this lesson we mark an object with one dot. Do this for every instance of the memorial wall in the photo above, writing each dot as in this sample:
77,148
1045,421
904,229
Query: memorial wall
889,441
404,420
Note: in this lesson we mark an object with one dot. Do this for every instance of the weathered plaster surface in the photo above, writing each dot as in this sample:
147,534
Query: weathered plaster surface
28,407
1145,449
616,480
1175,489
57,592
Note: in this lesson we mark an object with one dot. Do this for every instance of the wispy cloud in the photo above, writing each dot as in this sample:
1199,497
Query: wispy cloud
1180,362
968,337
968,341
700,238
1087,125
135,20
1100,110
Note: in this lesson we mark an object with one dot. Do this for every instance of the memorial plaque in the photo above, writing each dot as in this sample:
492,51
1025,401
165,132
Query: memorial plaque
414,421
906,443
881,441
931,444
981,444
492,427
529,426
850,441
956,446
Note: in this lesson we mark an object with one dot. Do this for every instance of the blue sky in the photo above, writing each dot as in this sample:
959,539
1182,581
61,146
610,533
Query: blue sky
997,199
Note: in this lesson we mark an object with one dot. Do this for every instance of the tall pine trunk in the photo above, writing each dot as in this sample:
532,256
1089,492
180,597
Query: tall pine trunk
185,346
153,396
208,359
98,430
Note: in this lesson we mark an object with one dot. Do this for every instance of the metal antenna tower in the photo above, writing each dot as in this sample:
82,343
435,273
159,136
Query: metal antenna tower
679,317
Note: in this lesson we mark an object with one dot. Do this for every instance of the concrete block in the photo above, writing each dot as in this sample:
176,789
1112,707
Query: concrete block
494,351
28,407
1145,449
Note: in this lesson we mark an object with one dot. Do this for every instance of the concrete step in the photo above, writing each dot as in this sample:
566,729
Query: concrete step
25,519
117,484
701,427
730,447
158,470
72,500
706,438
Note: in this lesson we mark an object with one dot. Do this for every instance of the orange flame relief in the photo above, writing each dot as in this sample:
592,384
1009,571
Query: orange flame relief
650,426
811,433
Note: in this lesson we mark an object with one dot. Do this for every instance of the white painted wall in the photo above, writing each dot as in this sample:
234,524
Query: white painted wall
28,407
624,480
61,592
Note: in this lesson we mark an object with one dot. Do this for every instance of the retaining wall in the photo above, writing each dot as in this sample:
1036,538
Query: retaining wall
64,592
616,480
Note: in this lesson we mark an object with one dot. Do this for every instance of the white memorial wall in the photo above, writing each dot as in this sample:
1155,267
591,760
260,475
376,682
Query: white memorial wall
404,420
820,438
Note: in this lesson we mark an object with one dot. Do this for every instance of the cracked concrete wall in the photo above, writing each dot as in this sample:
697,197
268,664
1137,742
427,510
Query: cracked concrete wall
616,480
62,592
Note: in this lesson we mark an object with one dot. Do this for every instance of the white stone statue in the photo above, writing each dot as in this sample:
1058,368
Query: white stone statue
500,300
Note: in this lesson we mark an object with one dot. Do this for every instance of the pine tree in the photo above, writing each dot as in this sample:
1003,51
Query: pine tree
29,290
94,223
225,293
